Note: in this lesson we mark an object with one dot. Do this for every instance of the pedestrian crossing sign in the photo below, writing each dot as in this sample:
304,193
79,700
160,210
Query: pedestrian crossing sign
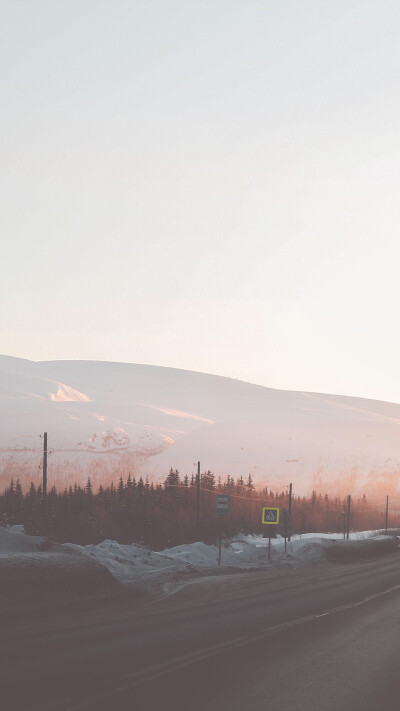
270,515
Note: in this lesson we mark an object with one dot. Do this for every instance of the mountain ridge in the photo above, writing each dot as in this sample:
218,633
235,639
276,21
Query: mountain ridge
106,418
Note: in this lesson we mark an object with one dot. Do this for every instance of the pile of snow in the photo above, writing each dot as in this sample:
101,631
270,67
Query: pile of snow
13,540
141,568
33,569
132,564
201,555
144,570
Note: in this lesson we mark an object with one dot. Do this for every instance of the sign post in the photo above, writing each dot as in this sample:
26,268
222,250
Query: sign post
270,517
222,508
290,510
286,527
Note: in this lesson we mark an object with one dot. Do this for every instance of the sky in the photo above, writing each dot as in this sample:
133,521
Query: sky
204,184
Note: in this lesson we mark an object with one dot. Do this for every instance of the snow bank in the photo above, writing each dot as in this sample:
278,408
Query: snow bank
14,540
134,565
31,560
141,568
33,569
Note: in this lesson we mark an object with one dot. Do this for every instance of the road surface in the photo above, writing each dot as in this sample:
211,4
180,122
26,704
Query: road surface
313,639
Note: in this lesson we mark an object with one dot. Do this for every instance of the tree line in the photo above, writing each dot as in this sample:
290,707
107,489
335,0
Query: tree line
162,515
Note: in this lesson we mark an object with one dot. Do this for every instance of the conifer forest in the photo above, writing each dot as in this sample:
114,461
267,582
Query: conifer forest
177,511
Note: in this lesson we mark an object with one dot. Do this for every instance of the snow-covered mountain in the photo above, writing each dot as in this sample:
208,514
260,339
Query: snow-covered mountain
105,419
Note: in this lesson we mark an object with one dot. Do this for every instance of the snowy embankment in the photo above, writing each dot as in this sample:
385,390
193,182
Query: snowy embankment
30,565
144,569
32,570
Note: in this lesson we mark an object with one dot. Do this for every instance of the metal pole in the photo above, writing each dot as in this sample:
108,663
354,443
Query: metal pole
269,542
221,516
45,464
285,526
290,511
387,515
348,515
198,501
344,523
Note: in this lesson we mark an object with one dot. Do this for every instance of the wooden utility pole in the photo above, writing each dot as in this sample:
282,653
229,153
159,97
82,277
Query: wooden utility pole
348,516
198,502
386,515
45,464
44,492
290,511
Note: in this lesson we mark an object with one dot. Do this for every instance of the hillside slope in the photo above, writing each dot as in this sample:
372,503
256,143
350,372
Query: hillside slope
106,419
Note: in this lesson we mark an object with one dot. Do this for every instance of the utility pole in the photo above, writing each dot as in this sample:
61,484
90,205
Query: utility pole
44,482
290,511
386,515
344,523
45,464
348,515
198,501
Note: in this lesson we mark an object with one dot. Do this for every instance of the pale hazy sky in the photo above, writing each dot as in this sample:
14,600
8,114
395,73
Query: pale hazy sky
205,184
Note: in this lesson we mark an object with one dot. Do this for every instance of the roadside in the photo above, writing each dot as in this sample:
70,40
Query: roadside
36,571
142,648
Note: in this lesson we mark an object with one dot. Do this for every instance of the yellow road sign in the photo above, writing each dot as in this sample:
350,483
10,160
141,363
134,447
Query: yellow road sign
270,515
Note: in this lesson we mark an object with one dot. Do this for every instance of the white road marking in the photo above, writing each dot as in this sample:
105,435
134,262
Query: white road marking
178,663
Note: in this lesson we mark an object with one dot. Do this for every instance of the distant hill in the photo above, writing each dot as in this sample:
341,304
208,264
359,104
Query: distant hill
106,419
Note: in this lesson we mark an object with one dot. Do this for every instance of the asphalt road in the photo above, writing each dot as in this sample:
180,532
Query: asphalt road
317,639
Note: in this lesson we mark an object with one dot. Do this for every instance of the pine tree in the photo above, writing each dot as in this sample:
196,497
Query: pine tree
121,488
173,478
250,485
88,487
